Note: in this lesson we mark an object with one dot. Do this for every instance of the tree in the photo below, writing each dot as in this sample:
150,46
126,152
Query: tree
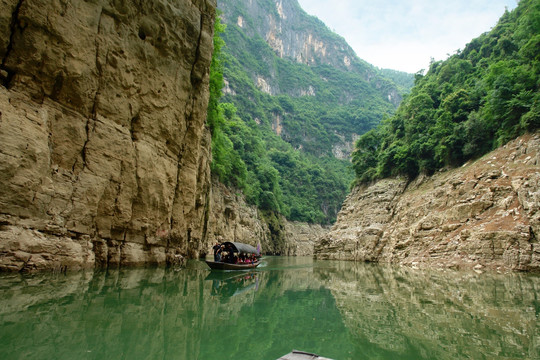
463,107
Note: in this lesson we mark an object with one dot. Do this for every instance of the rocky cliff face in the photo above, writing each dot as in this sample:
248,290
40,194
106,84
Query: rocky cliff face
104,154
483,215
293,34
232,219
273,21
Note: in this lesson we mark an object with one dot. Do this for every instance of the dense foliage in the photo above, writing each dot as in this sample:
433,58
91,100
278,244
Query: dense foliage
313,102
403,80
275,141
465,106
271,173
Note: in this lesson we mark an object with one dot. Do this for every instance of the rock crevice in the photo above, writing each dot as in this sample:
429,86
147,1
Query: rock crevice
104,152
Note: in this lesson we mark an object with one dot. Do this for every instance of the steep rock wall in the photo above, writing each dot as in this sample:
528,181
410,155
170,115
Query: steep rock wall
483,215
232,219
104,153
302,237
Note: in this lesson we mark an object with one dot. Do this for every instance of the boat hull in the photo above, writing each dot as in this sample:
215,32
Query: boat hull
218,265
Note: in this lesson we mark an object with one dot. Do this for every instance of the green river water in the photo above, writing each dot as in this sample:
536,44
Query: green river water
341,310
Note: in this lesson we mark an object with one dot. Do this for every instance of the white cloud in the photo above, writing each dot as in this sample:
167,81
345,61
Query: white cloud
405,35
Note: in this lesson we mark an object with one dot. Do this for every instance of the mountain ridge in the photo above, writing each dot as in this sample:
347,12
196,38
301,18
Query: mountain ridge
299,92
296,35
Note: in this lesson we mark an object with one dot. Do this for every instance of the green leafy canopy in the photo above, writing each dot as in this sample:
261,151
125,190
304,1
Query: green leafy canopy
476,100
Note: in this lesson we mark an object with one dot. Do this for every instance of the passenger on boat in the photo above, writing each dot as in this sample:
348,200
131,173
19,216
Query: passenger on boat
217,251
231,258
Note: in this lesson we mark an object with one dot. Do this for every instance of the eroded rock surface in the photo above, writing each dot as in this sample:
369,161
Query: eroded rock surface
232,219
483,215
104,153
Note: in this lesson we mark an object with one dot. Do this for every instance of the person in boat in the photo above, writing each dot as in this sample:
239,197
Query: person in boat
233,259
217,252
230,255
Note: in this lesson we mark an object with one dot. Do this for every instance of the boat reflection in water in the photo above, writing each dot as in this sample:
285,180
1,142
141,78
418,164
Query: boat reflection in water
228,284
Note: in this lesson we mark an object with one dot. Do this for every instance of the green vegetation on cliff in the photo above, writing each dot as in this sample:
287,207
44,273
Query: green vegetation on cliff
403,80
476,100
280,122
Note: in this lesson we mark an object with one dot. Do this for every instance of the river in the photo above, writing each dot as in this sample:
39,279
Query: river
340,310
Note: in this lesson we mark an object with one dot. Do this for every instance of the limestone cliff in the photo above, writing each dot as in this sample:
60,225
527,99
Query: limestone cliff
104,153
293,34
232,219
483,215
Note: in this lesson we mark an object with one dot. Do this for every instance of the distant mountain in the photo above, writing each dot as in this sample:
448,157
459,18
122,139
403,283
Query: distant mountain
295,36
305,96
281,50
403,80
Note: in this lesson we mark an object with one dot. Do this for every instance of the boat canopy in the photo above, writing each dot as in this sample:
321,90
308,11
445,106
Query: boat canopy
241,248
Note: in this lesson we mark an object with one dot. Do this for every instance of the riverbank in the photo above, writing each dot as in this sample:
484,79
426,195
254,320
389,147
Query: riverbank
484,215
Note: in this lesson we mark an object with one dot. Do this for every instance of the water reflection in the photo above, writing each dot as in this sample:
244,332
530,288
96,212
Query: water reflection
436,314
340,310
227,284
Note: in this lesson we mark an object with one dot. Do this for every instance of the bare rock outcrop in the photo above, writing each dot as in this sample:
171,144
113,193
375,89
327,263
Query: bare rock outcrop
482,215
302,237
232,219
104,153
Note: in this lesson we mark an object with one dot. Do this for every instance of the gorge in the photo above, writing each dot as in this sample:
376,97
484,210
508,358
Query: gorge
105,150
115,182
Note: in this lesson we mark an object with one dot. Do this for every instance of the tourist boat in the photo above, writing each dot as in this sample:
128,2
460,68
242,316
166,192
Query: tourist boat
235,247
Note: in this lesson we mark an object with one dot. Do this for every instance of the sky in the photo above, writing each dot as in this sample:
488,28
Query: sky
406,34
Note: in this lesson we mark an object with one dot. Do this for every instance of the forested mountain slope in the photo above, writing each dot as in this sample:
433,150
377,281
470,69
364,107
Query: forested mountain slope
476,100
295,97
